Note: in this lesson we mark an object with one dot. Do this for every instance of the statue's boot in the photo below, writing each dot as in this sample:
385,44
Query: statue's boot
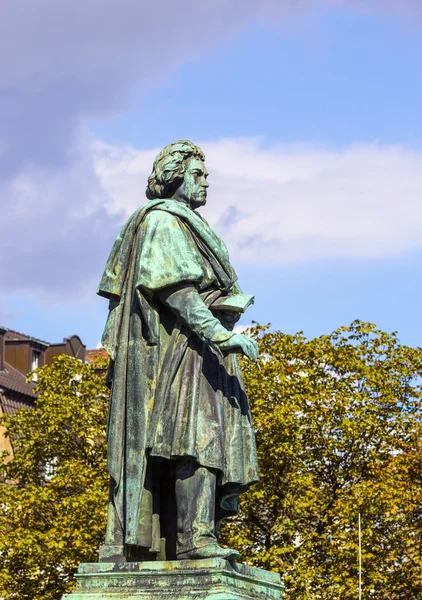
195,502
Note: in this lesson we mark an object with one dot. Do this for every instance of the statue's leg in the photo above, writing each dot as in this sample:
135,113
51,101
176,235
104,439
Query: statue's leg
195,501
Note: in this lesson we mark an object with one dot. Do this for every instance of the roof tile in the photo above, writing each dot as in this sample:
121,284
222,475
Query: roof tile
10,405
14,336
12,379
92,355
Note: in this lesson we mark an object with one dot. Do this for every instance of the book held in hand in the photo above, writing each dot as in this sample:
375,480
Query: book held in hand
237,303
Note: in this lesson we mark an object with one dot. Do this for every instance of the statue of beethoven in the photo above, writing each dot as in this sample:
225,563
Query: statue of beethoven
181,445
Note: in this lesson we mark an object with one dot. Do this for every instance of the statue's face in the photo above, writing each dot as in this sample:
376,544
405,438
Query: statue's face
193,190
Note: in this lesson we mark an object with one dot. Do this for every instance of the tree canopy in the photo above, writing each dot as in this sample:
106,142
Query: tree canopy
52,515
338,426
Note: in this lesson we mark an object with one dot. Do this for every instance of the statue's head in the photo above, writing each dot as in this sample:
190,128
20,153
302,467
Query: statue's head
179,172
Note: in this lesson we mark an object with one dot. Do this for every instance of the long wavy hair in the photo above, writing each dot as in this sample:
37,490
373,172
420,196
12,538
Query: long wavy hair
169,168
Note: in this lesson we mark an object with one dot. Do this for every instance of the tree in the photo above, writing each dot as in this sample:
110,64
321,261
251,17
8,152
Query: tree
338,425
52,515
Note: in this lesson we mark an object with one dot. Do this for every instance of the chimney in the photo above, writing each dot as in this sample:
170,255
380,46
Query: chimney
3,331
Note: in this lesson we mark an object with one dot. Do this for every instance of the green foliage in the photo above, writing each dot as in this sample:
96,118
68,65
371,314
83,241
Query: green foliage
53,516
338,425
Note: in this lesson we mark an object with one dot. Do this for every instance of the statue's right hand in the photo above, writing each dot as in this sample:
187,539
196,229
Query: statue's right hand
243,344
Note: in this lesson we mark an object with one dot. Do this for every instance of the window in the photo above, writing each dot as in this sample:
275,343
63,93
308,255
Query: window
34,364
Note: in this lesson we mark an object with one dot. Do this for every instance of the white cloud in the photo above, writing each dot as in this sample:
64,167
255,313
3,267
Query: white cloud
55,228
62,198
63,62
282,204
271,204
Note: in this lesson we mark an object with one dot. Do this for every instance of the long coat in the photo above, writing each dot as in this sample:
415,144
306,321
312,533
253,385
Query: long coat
172,394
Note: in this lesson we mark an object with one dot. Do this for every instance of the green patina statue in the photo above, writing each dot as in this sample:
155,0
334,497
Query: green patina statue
181,445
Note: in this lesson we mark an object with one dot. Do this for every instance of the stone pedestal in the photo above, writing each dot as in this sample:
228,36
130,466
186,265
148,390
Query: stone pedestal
207,579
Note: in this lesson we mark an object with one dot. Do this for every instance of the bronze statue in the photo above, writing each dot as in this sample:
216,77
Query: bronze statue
181,445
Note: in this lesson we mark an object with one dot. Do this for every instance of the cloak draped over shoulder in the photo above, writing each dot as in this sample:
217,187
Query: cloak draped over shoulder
172,392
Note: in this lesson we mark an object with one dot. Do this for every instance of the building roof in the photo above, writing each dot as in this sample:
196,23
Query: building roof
16,336
10,406
92,355
12,379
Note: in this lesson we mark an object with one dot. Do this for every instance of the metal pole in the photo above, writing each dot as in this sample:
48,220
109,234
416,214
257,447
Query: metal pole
360,560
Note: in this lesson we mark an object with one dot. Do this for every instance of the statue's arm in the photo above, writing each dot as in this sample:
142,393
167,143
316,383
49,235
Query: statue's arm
185,301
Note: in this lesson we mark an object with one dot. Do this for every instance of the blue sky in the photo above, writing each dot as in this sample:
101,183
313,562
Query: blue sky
339,76
310,120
